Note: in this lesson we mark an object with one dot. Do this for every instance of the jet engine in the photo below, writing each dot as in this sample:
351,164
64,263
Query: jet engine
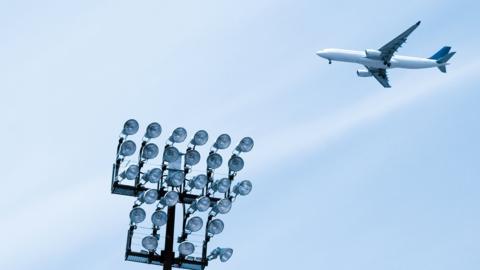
364,73
373,54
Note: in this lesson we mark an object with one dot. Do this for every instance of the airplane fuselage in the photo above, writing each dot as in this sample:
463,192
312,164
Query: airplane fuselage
361,57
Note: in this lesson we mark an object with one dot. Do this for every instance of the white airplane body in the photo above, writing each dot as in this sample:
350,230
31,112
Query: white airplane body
378,61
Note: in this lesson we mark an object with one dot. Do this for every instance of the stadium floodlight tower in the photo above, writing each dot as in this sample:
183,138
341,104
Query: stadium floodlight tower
160,182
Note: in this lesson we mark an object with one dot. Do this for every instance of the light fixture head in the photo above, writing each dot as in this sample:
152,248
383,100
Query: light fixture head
137,215
215,226
159,218
214,161
175,178
153,176
200,138
130,127
186,248
153,130
192,157
225,254
149,196
127,148
202,204
131,172
170,198
223,206
243,188
150,151
245,145
235,163
170,154
194,224
198,182
178,135
222,185
223,141
150,243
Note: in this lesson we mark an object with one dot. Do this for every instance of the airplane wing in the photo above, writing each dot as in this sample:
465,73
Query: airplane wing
381,75
391,47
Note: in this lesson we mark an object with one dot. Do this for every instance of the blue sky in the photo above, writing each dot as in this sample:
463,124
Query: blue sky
347,175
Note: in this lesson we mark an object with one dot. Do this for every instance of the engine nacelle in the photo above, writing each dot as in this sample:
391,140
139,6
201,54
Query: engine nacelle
373,54
364,73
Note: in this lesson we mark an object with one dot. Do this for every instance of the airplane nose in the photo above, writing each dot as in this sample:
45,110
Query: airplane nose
321,53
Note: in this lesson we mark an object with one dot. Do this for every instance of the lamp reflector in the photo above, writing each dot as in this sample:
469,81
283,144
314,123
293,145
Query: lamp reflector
215,226
223,141
222,185
235,163
130,127
150,196
194,224
245,145
199,181
159,218
192,157
171,154
225,254
131,172
127,148
137,215
170,198
153,130
223,206
202,204
178,135
175,178
150,151
214,161
150,243
200,138
186,248
243,188
153,176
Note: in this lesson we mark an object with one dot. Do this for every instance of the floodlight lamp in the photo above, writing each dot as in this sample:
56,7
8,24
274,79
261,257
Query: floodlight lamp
243,188
198,182
175,178
200,138
130,127
202,204
178,135
150,243
214,161
186,248
215,226
150,151
235,163
153,176
127,148
223,206
131,172
225,254
192,157
170,198
194,224
153,130
159,218
150,196
222,185
171,154
223,141
245,145
137,215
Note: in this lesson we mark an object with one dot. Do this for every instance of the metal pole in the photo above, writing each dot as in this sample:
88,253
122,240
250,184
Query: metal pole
170,231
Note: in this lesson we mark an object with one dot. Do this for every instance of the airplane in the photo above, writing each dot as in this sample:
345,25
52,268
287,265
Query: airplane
378,61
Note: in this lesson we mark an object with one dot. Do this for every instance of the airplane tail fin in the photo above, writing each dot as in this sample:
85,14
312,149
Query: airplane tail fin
443,61
441,53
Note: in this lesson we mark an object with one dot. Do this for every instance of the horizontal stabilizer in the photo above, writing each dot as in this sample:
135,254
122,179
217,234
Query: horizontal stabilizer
443,61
